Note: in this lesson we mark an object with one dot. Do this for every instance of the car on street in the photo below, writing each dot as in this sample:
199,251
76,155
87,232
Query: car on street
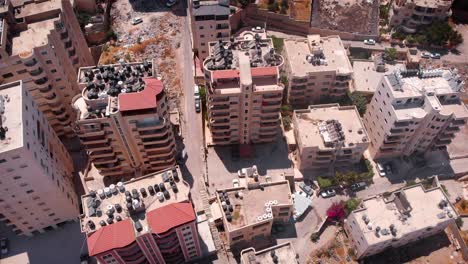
235,183
197,106
435,56
369,42
137,20
307,189
381,170
182,157
196,92
328,193
426,55
358,186
4,245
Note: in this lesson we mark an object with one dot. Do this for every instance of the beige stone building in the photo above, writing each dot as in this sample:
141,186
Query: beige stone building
244,92
318,68
123,119
406,216
248,213
209,21
282,253
411,14
43,46
329,136
35,168
414,111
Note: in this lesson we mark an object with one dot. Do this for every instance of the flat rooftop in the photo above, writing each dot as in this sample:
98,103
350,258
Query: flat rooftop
432,3
424,207
366,78
250,203
35,36
313,130
329,52
99,206
11,102
283,253
117,87
30,9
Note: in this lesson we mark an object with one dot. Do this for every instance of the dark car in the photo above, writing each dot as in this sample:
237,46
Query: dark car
358,186
4,245
306,189
197,106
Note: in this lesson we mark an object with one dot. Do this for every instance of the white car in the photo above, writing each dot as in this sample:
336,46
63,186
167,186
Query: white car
137,20
235,183
369,42
328,193
381,170
435,56
426,55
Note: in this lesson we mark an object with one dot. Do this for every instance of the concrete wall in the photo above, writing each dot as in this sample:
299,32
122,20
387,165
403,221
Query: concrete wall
456,233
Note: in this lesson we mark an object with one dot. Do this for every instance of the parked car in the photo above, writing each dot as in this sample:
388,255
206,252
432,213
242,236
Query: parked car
328,193
435,56
307,189
4,246
381,170
358,186
137,20
369,42
235,183
197,106
426,55
388,169
182,157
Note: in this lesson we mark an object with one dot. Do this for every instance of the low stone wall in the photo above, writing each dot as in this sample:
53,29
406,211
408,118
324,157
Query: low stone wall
459,239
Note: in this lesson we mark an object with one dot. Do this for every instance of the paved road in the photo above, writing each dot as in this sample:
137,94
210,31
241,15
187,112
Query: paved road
191,121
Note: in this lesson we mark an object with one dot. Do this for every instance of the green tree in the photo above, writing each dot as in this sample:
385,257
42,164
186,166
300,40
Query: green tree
351,205
359,101
440,32
390,54
455,38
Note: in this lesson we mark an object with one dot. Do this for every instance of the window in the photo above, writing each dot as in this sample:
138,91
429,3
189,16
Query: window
29,191
201,27
48,62
2,160
44,52
7,75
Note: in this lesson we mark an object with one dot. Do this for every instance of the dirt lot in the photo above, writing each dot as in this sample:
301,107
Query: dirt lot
157,37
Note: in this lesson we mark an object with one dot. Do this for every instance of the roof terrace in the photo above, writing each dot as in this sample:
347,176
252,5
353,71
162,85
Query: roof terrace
11,117
118,87
244,206
132,200
326,126
282,253
406,211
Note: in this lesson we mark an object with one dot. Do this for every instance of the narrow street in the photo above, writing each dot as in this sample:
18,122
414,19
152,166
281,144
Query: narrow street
191,121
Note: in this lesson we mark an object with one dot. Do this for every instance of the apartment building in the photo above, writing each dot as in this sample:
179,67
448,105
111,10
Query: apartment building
145,220
35,168
406,216
209,21
329,136
409,15
42,45
414,111
123,119
244,93
283,254
249,212
318,69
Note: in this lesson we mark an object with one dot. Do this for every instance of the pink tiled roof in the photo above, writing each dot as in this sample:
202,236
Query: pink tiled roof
145,99
117,235
164,218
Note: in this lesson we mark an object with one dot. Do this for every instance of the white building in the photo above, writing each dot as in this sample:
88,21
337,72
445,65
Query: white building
37,188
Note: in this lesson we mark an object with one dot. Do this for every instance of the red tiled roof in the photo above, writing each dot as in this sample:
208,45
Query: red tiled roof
164,218
264,71
117,235
225,74
145,99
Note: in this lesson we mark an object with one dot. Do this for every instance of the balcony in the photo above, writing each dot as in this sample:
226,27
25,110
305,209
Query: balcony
459,122
36,72
219,107
219,122
268,131
219,128
218,100
64,118
221,114
101,154
394,131
47,89
222,26
442,142
101,146
221,135
153,132
269,124
401,124
156,140
269,118
408,29
107,160
90,140
149,125
222,141
452,129
222,35
161,146
161,161
41,81
30,63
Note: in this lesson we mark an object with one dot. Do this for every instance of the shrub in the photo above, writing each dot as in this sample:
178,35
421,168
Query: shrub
325,182
390,54
287,122
359,101
351,205
410,183
459,222
314,237
278,43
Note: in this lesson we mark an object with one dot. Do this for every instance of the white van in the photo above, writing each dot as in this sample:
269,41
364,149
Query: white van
196,92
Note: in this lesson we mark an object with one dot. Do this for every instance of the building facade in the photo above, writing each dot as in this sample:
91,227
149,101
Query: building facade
244,92
248,213
37,187
44,47
123,120
409,15
414,111
404,217
329,136
155,224
209,22
318,69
